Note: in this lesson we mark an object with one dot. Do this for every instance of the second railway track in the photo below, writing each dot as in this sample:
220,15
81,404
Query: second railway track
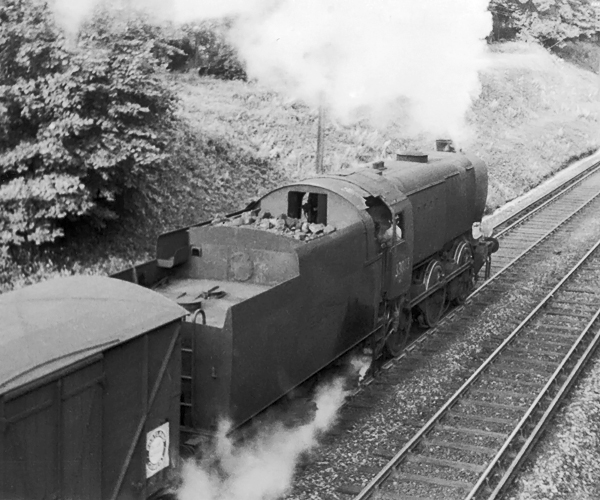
473,444
525,239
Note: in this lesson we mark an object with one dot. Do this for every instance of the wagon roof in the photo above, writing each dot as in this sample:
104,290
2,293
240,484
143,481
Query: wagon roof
51,325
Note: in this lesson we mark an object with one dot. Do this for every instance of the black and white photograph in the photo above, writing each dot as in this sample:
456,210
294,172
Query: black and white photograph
299,249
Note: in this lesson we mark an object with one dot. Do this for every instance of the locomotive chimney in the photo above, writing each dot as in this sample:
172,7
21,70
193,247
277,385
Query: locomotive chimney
445,145
414,156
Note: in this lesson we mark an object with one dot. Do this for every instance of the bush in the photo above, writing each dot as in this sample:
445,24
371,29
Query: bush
82,127
210,52
548,21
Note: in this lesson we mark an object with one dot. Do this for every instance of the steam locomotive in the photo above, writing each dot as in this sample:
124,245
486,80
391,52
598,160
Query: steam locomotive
100,376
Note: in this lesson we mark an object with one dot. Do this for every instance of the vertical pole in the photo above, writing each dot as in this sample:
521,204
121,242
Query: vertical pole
320,138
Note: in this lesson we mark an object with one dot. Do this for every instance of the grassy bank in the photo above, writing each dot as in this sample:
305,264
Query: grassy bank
236,140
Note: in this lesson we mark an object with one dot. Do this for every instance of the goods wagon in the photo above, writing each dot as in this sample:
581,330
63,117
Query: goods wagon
313,270
90,381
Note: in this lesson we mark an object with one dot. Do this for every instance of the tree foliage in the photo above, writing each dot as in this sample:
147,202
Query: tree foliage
205,47
548,21
82,125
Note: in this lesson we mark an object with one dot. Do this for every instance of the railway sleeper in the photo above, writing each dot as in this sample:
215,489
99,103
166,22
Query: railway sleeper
580,290
505,380
489,404
577,303
564,328
508,394
441,443
543,342
527,239
394,495
442,462
512,370
471,431
417,478
481,418
535,352
568,314
548,365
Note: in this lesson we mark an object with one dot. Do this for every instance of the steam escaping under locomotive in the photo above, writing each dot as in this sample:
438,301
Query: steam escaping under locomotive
232,315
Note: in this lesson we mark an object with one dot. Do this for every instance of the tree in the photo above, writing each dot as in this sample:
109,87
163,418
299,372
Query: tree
82,127
548,21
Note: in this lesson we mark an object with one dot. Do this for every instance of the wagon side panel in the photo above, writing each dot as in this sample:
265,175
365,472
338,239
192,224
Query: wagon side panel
164,381
30,445
81,433
124,406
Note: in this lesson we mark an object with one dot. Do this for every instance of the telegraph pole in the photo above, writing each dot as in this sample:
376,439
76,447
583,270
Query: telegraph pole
320,140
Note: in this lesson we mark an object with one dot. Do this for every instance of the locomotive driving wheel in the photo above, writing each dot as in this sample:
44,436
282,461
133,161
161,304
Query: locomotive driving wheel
462,286
432,307
397,321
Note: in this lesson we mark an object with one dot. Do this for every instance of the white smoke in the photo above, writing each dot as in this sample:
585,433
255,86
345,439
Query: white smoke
263,468
357,54
353,55
360,365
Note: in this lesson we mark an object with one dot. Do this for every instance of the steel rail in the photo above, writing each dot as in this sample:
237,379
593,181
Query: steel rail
398,458
525,213
550,411
484,478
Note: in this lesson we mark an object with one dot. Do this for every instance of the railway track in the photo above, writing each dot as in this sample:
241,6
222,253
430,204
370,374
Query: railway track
524,238
472,447
519,233
542,202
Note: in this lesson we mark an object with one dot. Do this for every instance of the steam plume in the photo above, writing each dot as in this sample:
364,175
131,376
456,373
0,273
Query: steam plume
263,468
356,55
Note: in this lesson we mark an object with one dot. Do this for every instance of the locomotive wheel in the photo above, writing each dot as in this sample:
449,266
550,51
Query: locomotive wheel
398,319
432,307
463,284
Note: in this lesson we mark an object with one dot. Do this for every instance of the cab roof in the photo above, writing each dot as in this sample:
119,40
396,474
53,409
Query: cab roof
51,325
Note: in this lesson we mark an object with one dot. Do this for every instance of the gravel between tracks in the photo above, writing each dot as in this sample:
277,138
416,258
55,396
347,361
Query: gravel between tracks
423,384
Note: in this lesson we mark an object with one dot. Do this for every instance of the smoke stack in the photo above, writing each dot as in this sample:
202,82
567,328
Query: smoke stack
445,145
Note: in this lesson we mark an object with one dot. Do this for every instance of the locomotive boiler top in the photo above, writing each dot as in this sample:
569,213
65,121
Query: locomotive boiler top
447,193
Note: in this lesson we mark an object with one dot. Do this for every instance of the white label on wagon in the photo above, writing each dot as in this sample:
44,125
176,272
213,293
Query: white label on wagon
157,449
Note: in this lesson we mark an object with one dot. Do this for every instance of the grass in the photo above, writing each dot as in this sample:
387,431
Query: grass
236,140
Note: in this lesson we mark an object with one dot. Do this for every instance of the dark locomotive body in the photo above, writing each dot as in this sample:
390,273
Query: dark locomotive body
95,372
292,305
89,390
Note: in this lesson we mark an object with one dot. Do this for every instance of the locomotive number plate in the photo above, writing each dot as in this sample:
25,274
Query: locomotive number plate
157,449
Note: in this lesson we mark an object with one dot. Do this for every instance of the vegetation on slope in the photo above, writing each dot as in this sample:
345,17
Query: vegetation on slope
231,140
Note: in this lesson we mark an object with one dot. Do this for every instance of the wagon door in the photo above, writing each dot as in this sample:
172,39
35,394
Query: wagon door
29,443
52,439
82,433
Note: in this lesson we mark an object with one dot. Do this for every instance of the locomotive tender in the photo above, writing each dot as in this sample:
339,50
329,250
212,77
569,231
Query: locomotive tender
99,376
